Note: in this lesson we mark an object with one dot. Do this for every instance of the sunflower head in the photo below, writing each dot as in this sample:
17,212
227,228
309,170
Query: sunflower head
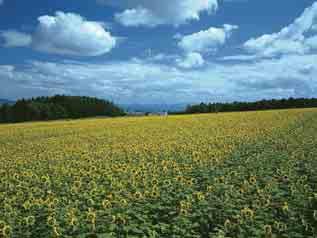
51,221
247,213
138,195
268,229
30,220
252,180
285,207
6,231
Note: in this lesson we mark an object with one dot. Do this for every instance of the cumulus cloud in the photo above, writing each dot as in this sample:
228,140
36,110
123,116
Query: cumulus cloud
14,38
206,41
191,60
297,38
70,34
65,34
138,16
198,43
154,13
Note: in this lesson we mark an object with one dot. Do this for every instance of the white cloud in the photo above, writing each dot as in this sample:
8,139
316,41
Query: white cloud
294,39
160,58
154,13
70,34
65,34
312,42
138,80
206,41
191,60
6,71
137,17
290,75
128,81
6,68
14,38
238,58
194,45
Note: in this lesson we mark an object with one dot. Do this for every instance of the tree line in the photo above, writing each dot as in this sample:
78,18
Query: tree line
57,107
251,106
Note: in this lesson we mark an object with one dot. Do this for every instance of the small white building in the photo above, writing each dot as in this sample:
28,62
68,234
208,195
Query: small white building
163,114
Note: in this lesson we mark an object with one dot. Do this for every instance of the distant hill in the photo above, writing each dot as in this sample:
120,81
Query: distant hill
58,107
153,107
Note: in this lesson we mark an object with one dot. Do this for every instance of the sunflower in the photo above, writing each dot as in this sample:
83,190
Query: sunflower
252,180
6,231
51,221
30,220
247,213
268,230
138,195
285,207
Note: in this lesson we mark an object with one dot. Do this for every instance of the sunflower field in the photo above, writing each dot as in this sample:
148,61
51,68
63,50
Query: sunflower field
248,174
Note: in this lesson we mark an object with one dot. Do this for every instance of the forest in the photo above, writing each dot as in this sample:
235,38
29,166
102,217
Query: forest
57,107
251,106
75,107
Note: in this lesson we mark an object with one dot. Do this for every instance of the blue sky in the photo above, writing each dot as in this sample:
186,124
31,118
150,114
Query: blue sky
167,51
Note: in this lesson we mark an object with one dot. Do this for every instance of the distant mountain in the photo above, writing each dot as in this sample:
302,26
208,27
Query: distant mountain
5,101
153,107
